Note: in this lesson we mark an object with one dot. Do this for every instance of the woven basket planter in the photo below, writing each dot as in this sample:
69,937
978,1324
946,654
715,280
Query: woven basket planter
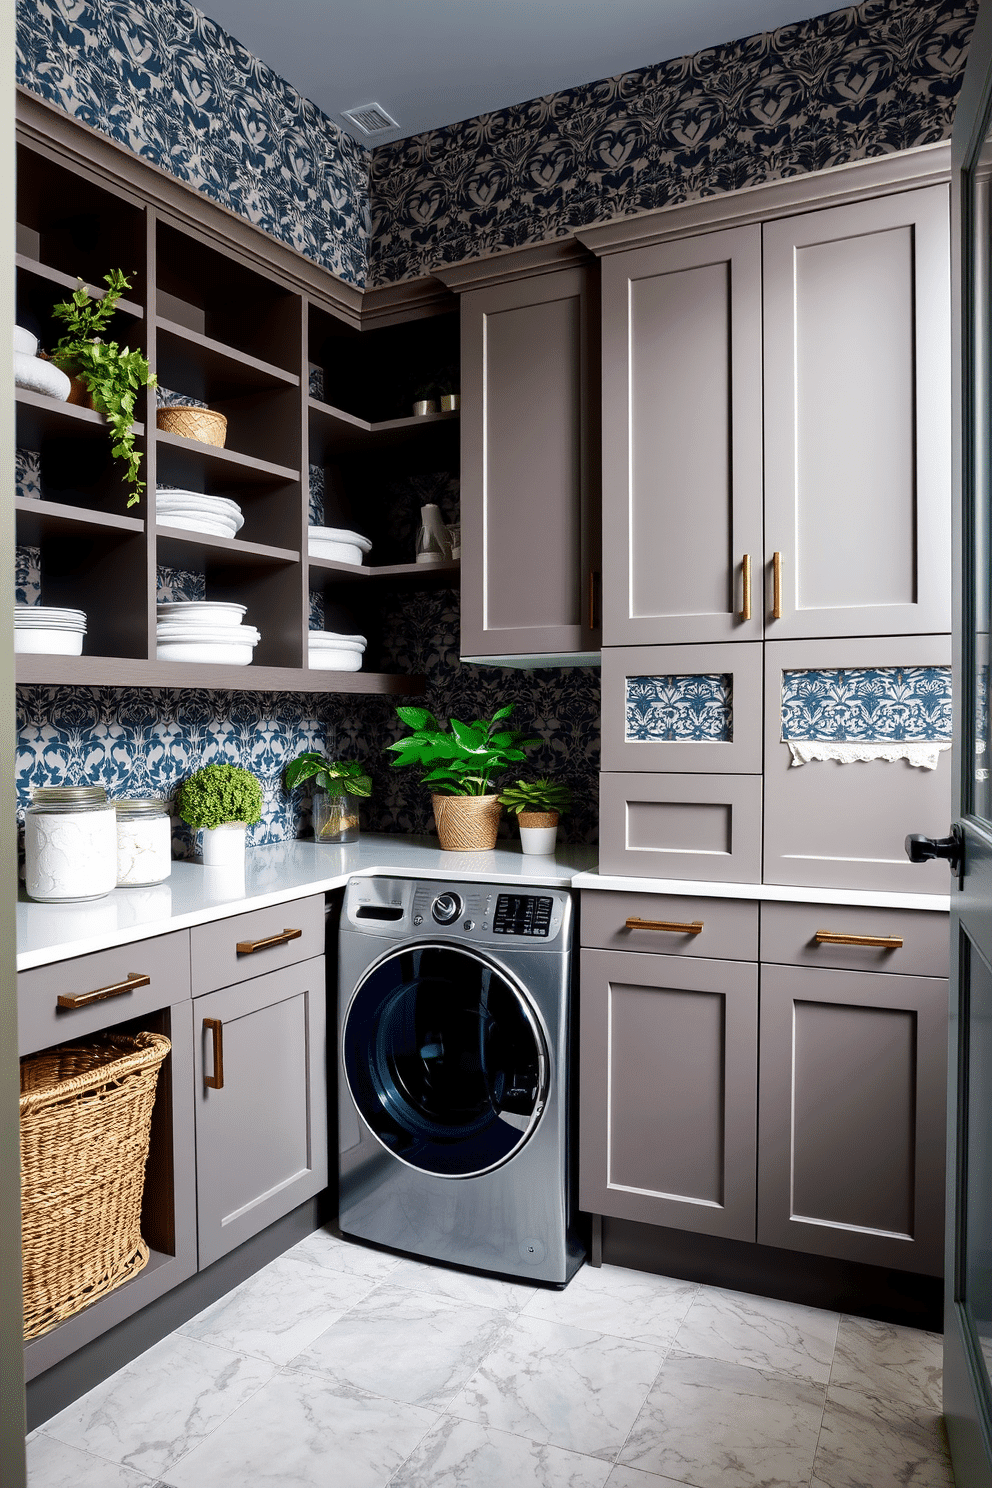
86,1112
193,423
467,823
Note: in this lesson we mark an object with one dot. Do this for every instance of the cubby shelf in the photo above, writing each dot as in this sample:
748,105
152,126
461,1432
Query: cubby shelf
40,417
183,549
223,361
334,432
426,574
37,518
131,671
66,281
236,466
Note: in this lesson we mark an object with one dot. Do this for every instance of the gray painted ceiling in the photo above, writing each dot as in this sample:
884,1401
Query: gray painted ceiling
434,62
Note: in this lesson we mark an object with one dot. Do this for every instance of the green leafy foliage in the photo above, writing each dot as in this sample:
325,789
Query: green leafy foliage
462,759
536,795
112,374
337,777
218,794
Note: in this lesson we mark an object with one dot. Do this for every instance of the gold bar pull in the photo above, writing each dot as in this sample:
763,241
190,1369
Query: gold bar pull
215,1028
100,994
249,947
776,586
838,937
746,587
677,927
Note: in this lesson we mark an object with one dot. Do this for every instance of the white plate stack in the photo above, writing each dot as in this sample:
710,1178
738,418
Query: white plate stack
192,511
338,544
205,630
330,652
48,630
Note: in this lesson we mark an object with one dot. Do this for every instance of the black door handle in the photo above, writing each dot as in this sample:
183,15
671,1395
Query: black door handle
920,849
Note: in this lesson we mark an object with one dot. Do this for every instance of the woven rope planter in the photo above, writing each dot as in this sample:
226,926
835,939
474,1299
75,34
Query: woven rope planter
538,819
86,1112
467,823
193,423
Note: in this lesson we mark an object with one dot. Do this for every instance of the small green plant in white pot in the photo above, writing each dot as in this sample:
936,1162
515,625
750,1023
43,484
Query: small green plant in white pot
338,786
220,801
537,805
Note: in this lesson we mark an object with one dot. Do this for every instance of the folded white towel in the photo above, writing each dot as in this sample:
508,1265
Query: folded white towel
40,377
25,341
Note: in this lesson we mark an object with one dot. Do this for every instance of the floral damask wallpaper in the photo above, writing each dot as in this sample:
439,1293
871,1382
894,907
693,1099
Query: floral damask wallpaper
862,80
664,709
871,705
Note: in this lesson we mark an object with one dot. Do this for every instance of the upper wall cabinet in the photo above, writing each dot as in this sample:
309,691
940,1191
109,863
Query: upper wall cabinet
530,453
857,418
682,440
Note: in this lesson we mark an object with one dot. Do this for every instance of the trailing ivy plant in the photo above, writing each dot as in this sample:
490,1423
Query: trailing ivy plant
462,759
112,374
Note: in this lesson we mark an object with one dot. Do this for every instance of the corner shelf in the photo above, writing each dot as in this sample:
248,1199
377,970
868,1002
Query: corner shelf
334,432
425,575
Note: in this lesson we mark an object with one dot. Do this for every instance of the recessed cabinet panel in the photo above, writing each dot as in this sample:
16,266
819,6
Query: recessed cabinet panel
851,1162
857,417
682,450
670,923
669,1064
681,826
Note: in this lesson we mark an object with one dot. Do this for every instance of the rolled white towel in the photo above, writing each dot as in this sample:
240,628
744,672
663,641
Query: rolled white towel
24,341
40,377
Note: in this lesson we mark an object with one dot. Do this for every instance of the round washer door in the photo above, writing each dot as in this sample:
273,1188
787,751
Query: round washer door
445,1060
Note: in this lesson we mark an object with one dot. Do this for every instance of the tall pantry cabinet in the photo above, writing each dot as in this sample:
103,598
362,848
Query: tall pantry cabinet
776,711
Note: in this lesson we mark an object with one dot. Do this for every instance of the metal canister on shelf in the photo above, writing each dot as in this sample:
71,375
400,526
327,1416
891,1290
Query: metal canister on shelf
144,841
70,843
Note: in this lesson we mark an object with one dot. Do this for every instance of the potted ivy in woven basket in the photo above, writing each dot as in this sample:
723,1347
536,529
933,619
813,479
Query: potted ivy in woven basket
221,801
537,805
459,763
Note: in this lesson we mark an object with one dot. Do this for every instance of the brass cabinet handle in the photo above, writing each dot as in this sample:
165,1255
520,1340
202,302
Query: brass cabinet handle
216,1028
746,587
249,947
100,994
776,586
838,937
678,927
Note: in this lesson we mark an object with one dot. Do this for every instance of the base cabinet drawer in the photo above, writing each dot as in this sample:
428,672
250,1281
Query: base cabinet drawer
671,924
250,945
667,1091
913,942
852,1116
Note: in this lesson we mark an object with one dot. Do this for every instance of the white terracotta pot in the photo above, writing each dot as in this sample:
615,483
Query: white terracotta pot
538,830
223,846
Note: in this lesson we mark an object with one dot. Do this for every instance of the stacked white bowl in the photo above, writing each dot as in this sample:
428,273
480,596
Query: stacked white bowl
330,652
192,511
338,544
205,630
48,630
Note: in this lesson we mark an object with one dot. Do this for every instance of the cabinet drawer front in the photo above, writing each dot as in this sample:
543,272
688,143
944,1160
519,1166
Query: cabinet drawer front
218,962
41,1022
730,926
789,934
681,826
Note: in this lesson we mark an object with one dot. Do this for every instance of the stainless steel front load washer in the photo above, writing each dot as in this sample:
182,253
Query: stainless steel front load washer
453,1038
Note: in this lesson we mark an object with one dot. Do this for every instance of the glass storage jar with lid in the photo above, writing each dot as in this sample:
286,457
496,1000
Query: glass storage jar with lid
70,843
144,841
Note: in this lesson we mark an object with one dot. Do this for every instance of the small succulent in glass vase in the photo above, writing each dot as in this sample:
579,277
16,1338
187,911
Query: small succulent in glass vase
337,786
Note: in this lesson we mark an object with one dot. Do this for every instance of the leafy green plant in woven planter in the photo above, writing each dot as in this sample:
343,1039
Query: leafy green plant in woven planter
460,762
337,787
220,801
111,374
537,805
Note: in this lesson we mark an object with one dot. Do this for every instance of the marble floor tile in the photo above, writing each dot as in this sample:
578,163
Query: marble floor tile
462,1454
303,1432
566,1386
711,1423
889,1362
326,1249
615,1300
462,1286
761,1332
54,1464
167,1401
871,1444
633,1477
406,1345
280,1309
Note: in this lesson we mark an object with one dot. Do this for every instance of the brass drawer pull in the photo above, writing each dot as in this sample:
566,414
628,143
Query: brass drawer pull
248,947
746,587
678,927
100,994
215,1027
776,586
838,937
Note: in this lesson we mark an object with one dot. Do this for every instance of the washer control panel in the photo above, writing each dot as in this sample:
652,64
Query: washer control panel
446,908
477,913
523,914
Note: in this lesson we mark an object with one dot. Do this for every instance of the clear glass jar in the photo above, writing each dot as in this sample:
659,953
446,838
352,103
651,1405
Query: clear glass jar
335,817
144,842
70,843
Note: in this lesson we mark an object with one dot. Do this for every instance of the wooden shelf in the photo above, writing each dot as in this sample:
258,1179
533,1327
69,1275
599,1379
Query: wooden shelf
425,574
180,548
243,372
131,671
40,417
66,281
37,518
334,432
245,468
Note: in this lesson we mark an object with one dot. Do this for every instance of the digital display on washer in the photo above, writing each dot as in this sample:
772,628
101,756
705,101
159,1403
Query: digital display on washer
522,914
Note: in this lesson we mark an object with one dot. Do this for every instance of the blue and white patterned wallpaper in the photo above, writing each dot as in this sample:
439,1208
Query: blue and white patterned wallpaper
863,80
680,708
179,91
869,705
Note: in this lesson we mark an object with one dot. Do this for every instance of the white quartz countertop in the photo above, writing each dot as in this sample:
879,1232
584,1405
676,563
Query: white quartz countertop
773,893
274,874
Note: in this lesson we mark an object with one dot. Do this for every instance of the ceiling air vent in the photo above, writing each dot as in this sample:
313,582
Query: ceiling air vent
370,118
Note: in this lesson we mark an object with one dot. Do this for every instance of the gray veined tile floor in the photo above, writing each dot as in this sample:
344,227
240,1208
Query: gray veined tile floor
340,1367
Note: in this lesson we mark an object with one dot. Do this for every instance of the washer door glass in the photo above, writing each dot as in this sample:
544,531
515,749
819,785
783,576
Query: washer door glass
445,1060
